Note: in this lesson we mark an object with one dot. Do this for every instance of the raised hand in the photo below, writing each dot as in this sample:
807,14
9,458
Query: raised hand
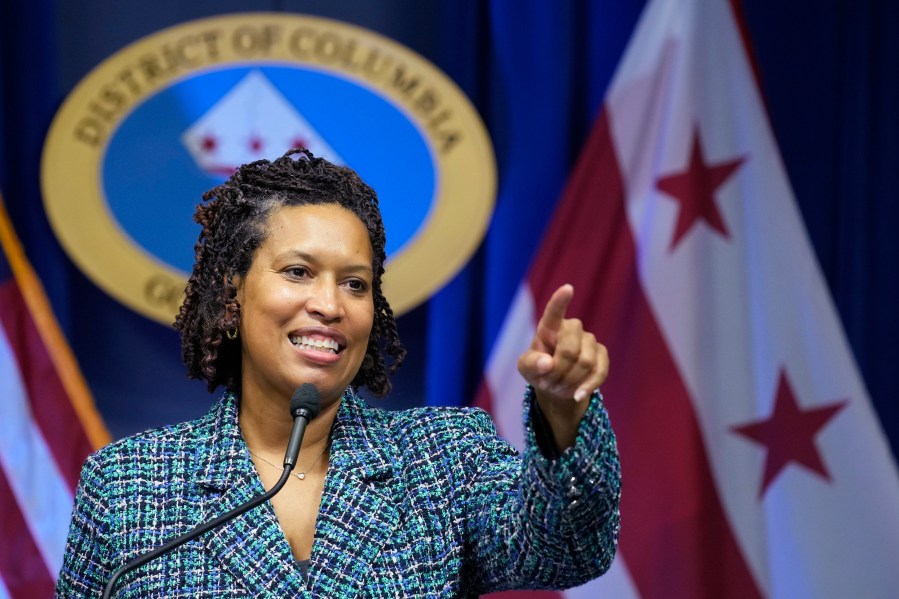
564,364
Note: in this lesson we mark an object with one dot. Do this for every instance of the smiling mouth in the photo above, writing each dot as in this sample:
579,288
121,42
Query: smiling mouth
325,345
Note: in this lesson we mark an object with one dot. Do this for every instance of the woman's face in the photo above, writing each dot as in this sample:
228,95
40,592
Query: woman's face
306,307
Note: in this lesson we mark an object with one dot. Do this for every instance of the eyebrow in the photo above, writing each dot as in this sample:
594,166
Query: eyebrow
353,268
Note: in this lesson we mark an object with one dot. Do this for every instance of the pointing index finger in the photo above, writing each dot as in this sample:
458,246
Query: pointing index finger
554,313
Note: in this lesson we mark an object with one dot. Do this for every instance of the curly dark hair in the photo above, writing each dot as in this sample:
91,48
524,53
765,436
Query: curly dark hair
235,223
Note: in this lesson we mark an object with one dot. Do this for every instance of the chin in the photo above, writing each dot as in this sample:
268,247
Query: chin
328,388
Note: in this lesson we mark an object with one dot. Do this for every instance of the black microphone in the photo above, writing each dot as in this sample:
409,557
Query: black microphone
304,406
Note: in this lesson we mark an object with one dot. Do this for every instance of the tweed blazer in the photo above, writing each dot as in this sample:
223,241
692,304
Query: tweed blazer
427,502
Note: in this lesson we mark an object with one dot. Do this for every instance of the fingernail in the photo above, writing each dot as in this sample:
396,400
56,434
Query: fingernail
579,395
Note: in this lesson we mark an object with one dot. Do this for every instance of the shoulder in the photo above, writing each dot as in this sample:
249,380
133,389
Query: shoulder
162,438
137,454
458,419
440,433
446,423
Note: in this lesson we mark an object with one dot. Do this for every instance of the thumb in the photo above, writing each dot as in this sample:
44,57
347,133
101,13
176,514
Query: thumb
534,364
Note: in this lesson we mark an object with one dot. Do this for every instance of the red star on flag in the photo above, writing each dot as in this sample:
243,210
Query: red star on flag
789,434
694,188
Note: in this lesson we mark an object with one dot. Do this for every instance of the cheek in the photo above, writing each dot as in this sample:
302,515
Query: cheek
369,320
365,325
273,301
363,335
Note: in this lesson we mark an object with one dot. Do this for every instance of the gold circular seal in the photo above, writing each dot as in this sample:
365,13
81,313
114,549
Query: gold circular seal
72,178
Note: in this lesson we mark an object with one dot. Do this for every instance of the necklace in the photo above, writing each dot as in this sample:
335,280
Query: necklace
299,475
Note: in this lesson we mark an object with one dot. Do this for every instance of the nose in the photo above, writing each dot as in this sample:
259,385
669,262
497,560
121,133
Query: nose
324,300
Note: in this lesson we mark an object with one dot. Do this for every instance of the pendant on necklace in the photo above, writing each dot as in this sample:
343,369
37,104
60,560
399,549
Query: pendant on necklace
301,475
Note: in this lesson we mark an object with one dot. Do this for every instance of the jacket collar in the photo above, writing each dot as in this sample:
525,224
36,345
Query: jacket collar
252,546
357,443
360,440
359,509
361,501
222,456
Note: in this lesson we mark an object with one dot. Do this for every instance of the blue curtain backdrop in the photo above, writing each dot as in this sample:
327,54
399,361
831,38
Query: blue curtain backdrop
536,71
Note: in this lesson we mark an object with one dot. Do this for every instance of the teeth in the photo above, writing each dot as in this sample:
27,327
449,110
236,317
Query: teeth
304,342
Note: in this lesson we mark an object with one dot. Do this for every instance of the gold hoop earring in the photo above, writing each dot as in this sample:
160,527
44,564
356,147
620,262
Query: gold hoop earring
231,334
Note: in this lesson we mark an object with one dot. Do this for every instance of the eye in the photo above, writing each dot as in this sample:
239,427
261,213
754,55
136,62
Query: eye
357,285
297,272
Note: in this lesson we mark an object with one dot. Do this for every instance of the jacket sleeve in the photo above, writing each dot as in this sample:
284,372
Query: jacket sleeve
84,570
534,522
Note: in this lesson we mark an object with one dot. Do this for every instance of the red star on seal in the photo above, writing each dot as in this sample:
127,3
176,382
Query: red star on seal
694,189
255,144
209,143
789,434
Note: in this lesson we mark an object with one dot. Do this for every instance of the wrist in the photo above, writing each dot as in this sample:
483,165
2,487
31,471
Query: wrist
563,417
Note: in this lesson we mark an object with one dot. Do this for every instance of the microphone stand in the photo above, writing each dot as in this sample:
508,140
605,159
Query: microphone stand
300,420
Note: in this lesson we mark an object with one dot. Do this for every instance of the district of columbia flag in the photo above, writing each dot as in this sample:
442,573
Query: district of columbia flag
48,427
753,464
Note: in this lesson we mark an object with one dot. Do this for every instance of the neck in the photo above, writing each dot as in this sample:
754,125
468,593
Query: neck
265,423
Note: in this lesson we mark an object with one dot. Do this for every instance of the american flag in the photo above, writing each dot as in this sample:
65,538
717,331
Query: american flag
48,426
753,464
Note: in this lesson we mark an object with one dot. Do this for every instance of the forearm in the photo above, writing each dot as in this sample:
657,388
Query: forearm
556,526
579,495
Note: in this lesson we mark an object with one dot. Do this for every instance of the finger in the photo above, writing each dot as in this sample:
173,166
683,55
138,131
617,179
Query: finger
554,314
567,352
582,366
533,365
598,375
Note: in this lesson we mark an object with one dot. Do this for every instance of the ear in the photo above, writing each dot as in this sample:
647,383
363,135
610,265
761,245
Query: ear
236,280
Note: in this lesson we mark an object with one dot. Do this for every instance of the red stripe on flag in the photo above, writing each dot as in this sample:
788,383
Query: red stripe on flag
737,8
22,567
482,398
50,406
675,537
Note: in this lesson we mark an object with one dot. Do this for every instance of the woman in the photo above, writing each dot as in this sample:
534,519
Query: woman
286,289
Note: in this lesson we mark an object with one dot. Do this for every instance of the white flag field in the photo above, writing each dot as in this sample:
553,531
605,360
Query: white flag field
753,463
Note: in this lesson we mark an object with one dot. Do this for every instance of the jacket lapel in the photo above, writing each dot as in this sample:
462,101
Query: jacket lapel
251,547
360,502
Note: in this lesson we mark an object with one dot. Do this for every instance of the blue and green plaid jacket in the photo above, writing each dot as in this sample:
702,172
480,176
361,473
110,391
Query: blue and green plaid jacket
426,502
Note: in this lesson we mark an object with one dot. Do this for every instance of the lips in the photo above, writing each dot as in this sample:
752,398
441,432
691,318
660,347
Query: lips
318,339
312,343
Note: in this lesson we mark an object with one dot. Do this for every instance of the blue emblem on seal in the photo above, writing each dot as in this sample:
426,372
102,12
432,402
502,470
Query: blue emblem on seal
192,135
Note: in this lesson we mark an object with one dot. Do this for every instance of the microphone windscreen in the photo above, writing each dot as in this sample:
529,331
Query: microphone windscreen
306,396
